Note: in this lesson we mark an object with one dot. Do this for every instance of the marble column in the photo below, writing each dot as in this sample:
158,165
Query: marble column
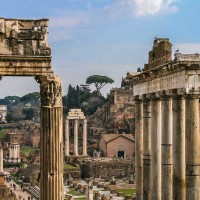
139,148
178,107
192,148
147,148
76,137
67,137
1,160
155,184
51,138
166,145
85,137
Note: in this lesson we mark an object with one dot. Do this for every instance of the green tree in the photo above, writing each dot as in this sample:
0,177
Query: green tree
33,98
99,82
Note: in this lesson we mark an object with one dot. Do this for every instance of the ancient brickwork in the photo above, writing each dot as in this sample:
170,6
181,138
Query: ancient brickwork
160,53
106,169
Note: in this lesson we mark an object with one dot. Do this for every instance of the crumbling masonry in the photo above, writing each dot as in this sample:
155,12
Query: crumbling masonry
166,94
24,51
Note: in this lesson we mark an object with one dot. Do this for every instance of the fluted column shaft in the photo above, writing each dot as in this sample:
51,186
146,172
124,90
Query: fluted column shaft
67,137
155,150
166,160
76,137
51,139
147,148
178,148
192,148
139,149
1,160
85,137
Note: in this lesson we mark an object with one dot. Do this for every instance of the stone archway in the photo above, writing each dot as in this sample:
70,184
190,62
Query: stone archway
24,51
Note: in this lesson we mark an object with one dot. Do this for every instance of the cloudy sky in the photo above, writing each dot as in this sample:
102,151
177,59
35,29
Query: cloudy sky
106,37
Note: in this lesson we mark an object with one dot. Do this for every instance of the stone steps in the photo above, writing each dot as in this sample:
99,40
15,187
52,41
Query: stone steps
35,191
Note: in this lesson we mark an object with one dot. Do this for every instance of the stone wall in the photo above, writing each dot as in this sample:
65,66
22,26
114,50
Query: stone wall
106,169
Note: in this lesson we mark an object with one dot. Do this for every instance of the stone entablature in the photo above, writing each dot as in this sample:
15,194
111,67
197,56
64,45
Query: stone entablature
184,75
24,37
75,114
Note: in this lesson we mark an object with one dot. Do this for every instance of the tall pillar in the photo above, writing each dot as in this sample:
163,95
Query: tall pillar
192,148
178,106
51,138
139,149
155,184
166,144
67,137
76,137
147,148
1,160
85,137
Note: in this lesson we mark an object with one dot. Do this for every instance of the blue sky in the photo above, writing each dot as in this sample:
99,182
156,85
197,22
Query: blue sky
106,37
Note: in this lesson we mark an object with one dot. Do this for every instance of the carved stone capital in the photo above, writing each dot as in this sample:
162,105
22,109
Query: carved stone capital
50,90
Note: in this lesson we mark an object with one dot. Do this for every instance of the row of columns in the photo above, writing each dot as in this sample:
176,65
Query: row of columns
76,125
167,159
14,155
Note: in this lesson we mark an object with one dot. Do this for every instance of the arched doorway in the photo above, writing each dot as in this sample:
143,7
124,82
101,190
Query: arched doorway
24,51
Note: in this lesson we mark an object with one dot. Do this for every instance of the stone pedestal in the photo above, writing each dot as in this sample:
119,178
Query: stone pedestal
192,148
166,161
155,150
179,148
139,148
51,140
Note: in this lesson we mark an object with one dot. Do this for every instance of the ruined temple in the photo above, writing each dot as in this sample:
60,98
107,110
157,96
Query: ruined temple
167,139
24,51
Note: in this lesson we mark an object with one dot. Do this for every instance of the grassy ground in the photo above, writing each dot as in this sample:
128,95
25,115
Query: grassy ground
78,194
68,166
28,150
127,191
2,135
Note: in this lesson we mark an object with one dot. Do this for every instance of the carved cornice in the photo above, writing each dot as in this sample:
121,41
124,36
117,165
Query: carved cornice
50,90
161,71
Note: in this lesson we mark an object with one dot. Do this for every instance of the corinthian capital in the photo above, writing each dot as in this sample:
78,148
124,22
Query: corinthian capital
50,90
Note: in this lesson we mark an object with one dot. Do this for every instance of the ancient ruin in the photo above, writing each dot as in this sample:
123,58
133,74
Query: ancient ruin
14,150
24,51
74,117
167,165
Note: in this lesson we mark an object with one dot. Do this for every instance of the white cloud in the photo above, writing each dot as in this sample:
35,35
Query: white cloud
152,7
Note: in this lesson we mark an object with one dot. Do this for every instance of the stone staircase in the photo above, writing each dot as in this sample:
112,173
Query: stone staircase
35,191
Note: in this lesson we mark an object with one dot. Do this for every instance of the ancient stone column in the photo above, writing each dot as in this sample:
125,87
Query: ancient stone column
139,148
51,138
90,191
147,148
85,137
192,148
166,144
178,106
67,137
76,137
1,160
155,184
